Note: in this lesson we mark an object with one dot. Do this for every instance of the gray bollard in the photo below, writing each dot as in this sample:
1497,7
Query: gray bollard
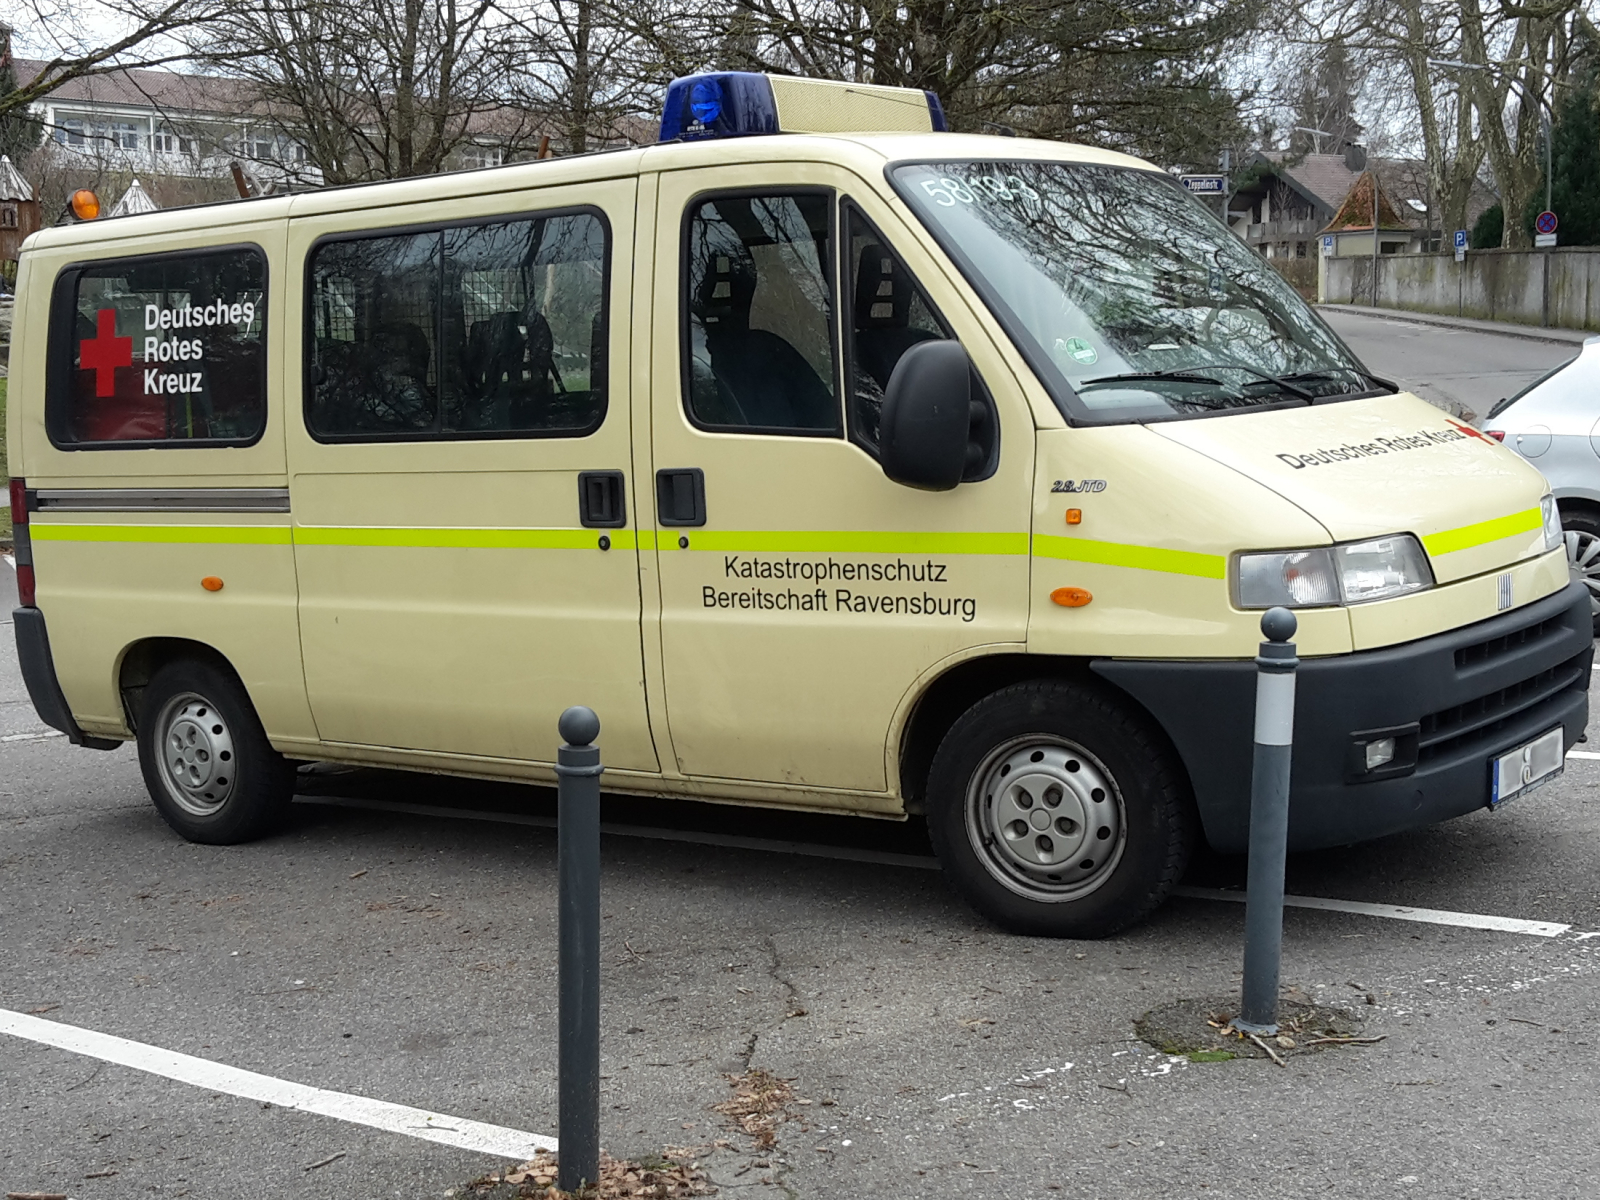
578,826
1269,823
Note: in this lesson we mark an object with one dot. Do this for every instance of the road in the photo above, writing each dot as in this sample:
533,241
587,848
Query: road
1462,370
397,942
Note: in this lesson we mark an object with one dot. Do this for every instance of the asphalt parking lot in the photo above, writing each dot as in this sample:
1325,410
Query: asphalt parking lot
396,944
389,953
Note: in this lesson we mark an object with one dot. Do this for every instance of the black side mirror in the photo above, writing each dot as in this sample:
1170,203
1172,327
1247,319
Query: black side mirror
932,432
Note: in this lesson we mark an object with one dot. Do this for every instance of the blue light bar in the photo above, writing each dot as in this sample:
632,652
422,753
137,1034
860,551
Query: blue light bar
727,104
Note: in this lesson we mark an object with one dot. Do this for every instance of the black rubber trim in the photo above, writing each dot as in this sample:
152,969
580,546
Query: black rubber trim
1495,684
44,689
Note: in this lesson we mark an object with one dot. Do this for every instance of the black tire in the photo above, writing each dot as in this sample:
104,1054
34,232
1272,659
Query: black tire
1581,528
1100,855
206,760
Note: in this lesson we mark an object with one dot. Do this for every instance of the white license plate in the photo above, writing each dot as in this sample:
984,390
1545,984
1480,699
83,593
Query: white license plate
1526,767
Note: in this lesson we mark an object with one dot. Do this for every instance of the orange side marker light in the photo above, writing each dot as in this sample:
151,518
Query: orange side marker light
1071,597
211,583
1074,516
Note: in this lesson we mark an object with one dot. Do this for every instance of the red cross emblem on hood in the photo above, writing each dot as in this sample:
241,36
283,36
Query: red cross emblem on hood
1470,431
105,352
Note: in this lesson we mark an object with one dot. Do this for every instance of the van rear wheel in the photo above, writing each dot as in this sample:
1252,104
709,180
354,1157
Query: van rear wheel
1059,811
206,760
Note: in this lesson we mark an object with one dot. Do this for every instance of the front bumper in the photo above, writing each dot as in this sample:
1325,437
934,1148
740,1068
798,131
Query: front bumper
1470,694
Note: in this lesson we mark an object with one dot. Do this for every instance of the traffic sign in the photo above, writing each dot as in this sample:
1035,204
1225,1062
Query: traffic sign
1461,239
1204,185
1545,222
1327,244
1543,241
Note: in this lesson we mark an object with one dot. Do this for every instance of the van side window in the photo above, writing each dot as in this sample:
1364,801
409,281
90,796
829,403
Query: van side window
758,319
888,314
159,350
494,329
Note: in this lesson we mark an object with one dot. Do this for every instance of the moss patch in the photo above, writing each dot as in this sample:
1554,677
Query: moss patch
1198,1029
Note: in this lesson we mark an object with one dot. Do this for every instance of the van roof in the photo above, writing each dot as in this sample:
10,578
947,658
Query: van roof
869,153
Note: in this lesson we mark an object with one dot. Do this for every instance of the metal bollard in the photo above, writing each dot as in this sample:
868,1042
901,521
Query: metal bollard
578,826
1269,823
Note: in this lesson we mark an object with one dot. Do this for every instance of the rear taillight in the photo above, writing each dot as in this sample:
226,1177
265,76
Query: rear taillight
1498,435
19,524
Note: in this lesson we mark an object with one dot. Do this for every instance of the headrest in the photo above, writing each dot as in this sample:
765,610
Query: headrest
883,290
727,290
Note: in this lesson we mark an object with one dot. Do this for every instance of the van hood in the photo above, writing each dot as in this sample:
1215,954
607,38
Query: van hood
1390,464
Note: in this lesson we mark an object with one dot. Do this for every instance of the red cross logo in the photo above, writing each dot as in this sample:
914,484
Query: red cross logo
1469,431
105,352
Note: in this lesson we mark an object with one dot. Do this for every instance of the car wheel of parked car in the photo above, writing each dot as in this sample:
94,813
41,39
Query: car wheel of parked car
1582,530
1058,810
206,760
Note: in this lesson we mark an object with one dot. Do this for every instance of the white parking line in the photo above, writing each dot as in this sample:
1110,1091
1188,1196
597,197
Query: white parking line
1397,912
1582,754
32,737
216,1077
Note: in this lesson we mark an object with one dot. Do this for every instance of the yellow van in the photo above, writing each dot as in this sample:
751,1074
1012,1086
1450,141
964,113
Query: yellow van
839,462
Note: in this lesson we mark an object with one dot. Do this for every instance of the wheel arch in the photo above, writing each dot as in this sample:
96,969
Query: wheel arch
140,661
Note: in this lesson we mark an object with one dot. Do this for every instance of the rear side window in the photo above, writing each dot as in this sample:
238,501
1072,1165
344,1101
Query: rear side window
159,350
493,329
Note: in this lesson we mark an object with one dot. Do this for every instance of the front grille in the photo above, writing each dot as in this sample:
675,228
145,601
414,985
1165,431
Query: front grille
1482,652
1485,715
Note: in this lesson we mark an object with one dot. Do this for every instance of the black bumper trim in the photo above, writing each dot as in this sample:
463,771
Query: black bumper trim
1529,666
44,689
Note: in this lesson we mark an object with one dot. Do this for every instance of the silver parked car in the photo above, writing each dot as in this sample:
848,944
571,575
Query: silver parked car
1554,423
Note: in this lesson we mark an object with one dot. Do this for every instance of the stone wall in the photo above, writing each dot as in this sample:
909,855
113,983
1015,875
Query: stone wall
1493,285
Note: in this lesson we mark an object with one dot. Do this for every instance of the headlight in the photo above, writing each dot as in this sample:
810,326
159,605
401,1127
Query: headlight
1552,522
1348,574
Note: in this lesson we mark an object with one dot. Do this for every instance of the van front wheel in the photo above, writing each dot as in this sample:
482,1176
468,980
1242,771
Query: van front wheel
1058,811
206,760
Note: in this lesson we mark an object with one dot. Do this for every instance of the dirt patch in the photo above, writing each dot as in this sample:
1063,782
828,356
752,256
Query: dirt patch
760,1103
1200,1031
674,1175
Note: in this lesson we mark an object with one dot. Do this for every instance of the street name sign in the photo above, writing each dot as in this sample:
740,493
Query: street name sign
1203,185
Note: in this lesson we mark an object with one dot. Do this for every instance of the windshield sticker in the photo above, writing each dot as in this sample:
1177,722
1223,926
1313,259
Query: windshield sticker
1423,439
1080,351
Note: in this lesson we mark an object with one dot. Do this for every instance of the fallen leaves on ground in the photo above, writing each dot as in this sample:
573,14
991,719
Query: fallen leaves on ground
759,1102
673,1176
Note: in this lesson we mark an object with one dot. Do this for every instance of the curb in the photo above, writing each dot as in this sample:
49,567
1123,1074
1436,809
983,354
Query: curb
1533,333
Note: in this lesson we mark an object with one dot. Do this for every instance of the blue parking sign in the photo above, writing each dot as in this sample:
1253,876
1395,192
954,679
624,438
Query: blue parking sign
1461,239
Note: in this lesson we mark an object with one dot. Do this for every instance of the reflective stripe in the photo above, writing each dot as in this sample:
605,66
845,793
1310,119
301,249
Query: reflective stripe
1120,554
1483,532
845,541
223,535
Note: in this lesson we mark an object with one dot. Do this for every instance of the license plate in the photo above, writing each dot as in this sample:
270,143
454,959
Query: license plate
1527,767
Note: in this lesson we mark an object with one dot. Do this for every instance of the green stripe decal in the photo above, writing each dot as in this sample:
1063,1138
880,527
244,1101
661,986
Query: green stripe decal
1484,532
846,542
210,535
1120,554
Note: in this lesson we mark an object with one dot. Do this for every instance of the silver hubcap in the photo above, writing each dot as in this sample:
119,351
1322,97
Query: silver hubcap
1583,563
1046,818
197,757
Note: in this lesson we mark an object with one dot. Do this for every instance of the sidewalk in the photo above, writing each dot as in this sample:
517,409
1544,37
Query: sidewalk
1572,337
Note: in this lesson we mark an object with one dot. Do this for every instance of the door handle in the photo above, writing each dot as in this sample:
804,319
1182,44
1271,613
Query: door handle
601,503
681,496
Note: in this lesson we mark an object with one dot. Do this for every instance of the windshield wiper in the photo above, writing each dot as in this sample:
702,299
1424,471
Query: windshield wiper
1182,376
1190,375
1337,371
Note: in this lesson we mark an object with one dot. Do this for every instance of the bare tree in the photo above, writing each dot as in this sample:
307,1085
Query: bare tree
71,40
382,90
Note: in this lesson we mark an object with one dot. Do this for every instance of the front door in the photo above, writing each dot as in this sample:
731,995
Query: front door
803,594
463,533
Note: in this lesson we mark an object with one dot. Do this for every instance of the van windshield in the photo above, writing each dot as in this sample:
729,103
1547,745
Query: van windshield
1130,300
